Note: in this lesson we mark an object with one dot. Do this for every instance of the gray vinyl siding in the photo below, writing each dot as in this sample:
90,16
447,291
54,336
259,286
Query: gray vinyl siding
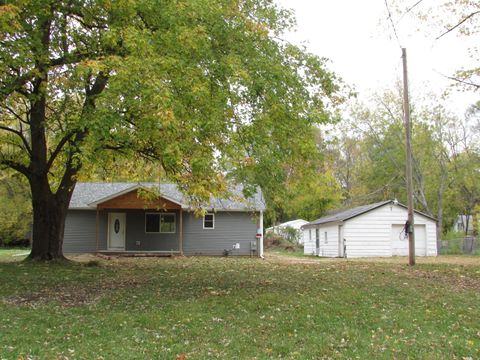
102,230
230,228
149,242
79,235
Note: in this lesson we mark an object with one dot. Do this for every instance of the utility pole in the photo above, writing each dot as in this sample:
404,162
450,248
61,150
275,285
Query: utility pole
410,226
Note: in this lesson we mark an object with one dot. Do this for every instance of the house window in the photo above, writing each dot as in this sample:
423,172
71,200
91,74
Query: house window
326,238
152,223
160,223
167,223
209,221
310,234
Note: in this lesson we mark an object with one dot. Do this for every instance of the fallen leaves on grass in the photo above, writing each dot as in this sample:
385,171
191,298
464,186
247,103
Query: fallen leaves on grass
71,296
460,282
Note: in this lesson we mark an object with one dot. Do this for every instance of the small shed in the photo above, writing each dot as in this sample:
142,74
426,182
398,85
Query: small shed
369,231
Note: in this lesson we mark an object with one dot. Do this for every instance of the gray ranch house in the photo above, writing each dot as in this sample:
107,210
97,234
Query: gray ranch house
119,218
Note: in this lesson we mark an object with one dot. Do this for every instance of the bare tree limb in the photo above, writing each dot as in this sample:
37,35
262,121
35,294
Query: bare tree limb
409,10
458,24
469,83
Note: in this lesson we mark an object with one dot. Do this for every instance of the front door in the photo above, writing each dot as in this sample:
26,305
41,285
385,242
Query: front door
116,231
317,242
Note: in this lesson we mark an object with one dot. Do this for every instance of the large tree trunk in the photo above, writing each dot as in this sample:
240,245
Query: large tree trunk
49,213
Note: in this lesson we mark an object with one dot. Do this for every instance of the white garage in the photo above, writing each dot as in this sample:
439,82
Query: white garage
369,230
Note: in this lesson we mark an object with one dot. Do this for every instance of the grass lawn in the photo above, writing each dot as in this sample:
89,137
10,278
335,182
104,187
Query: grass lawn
13,254
230,308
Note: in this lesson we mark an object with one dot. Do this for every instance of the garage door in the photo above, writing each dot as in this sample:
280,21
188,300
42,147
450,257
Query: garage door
400,242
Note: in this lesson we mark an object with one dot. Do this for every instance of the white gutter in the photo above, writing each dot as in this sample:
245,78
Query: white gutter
260,231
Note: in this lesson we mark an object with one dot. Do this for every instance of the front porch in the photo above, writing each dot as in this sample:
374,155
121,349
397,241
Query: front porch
120,253
135,224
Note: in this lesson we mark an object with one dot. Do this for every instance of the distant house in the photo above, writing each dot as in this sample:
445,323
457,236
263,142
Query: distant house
294,224
369,230
464,224
116,218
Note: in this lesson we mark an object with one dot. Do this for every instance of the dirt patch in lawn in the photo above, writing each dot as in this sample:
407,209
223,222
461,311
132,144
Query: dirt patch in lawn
285,259
70,296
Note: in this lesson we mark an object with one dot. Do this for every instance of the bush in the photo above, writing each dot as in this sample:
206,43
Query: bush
291,235
271,239
23,243
283,239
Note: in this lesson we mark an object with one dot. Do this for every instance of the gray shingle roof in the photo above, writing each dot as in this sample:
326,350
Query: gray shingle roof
87,193
342,215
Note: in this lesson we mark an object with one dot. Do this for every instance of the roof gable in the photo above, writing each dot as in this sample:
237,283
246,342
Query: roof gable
133,199
131,190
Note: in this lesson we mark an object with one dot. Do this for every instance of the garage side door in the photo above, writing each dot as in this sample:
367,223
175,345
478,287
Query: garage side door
400,242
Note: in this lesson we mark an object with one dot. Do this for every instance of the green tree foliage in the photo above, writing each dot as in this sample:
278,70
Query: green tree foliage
203,88
304,188
445,157
464,198
310,197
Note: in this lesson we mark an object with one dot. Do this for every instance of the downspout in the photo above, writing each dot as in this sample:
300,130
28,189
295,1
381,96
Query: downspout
96,230
260,240
181,231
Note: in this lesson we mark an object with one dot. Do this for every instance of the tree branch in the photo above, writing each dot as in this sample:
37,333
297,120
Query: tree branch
15,166
97,87
59,148
19,118
15,85
458,24
19,134
70,58
71,168
469,83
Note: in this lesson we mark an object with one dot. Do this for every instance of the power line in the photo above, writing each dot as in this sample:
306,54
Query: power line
392,23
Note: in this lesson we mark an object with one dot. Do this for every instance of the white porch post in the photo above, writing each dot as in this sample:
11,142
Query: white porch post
260,231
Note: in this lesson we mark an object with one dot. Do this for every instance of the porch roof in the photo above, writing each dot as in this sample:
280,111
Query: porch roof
87,195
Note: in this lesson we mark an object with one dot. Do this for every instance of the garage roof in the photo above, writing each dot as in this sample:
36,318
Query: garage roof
342,215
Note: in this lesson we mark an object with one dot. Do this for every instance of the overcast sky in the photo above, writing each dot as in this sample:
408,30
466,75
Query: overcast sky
358,40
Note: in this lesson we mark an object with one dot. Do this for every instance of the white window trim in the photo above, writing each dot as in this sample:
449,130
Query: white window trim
213,220
160,222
